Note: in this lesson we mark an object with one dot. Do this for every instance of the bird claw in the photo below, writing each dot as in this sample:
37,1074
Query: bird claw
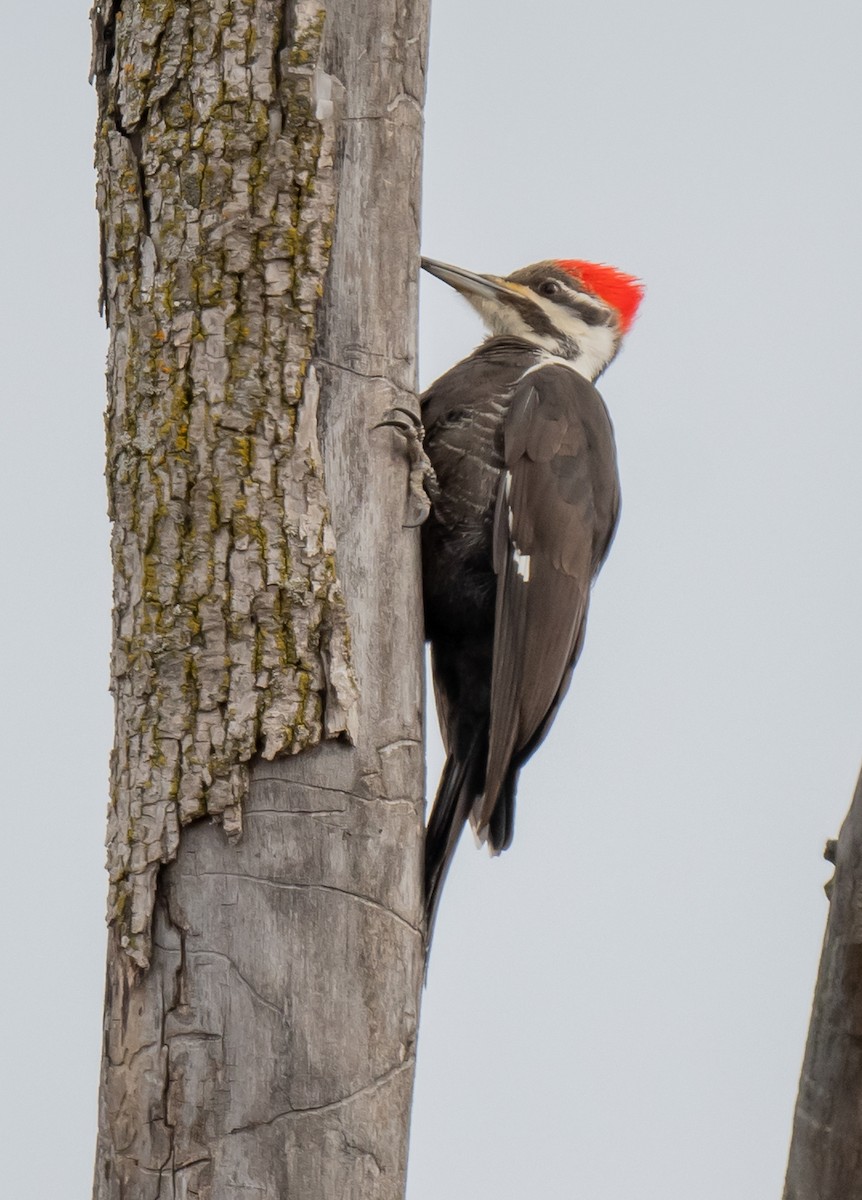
422,488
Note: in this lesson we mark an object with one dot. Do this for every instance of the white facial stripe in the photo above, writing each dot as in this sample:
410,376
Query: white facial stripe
597,344
557,312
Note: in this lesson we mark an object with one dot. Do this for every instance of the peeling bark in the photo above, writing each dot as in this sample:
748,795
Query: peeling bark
826,1146
269,1046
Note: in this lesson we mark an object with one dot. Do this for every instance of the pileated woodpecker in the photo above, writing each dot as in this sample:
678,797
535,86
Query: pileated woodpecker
524,509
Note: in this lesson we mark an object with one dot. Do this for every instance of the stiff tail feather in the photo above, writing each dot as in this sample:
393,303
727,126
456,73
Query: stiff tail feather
459,785
501,826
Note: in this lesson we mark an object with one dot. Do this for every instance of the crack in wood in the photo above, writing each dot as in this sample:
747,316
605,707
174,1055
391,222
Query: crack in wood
320,887
332,1105
203,954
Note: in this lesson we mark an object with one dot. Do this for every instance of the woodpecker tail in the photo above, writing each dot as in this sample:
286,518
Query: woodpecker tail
501,826
460,783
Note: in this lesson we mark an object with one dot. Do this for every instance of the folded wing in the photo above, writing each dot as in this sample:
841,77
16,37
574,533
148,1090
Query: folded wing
555,517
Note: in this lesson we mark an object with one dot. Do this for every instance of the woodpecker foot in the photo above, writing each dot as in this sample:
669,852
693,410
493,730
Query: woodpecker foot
422,488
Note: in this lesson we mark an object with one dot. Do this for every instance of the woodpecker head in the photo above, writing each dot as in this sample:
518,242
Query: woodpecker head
576,310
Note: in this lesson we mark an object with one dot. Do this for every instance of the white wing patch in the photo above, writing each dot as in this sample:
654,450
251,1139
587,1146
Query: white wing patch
522,561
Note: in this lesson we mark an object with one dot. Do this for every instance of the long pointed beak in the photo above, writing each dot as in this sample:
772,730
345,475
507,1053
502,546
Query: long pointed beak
490,287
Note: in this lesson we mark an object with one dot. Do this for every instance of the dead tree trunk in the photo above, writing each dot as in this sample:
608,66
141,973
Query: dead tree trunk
826,1146
258,195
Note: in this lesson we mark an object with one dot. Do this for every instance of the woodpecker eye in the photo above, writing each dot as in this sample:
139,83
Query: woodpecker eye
549,288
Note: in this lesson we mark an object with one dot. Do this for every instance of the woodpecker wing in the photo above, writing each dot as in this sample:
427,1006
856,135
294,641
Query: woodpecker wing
555,517
462,414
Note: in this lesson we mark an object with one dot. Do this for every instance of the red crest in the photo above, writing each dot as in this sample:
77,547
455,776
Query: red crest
623,292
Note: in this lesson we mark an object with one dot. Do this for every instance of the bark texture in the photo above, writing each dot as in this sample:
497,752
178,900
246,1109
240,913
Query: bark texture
269,1048
217,195
826,1146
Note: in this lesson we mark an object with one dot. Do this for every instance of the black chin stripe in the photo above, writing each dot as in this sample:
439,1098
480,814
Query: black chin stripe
534,317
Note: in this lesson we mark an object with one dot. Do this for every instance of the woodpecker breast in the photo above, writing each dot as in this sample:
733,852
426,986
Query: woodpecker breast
469,419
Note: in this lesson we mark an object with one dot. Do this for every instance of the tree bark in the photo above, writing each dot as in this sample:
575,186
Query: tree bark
262,989
826,1146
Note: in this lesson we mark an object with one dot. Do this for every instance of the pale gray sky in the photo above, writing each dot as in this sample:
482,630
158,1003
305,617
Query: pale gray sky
618,1006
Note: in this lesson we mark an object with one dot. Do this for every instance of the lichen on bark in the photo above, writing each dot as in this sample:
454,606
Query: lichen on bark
216,196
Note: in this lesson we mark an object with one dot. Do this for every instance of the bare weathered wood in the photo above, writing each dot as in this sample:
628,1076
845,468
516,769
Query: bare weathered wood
826,1146
268,1049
